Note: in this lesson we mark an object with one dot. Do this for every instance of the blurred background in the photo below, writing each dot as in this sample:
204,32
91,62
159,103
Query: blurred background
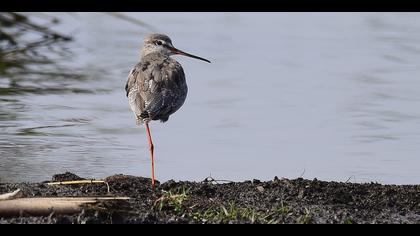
332,96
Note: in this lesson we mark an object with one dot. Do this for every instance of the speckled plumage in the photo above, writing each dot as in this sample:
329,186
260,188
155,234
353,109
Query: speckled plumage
156,88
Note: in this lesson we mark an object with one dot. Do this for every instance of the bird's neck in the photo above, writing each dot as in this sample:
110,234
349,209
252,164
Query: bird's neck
152,54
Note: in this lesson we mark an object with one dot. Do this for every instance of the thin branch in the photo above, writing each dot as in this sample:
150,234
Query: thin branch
12,195
301,175
73,182
48,205
212,180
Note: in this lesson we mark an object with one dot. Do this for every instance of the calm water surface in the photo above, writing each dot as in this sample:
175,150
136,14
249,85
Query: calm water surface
331,96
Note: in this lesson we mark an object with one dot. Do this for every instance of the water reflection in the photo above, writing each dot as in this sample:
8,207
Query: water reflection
386,104
337,99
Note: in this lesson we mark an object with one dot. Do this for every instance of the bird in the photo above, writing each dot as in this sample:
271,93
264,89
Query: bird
156,86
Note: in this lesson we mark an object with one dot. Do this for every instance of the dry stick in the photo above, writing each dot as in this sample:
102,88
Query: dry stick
352,176
46,206
80,182
12,195
301,175
212,180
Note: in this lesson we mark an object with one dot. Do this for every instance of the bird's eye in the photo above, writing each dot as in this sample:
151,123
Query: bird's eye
158,43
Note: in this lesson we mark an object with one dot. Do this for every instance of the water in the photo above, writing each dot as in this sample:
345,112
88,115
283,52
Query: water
333,96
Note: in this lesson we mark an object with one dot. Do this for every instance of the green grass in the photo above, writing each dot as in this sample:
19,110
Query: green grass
348,221
172,200
233,212
306,218
176,203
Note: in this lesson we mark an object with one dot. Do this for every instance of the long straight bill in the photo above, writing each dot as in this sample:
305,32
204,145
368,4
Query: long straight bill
177,51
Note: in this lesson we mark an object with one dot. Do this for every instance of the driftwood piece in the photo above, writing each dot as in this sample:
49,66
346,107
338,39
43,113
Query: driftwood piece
12,195
46,206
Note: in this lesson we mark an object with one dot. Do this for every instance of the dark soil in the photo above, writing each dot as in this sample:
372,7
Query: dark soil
276,201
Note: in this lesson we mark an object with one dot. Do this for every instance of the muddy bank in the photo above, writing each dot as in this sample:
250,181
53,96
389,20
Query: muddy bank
276,201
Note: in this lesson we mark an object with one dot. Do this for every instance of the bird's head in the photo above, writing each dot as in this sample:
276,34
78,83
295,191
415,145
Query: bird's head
160,43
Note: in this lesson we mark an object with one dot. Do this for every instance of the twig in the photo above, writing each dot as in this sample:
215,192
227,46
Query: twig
301,175
352,176
12,195
46,206
80,182
210,179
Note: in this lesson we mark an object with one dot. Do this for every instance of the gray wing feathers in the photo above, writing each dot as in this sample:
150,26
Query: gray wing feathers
163,104
157,89
133,93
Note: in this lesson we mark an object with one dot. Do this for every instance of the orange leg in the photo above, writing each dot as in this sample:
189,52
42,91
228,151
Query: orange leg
151,149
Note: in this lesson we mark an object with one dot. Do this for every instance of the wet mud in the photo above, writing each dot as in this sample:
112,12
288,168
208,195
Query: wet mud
273,202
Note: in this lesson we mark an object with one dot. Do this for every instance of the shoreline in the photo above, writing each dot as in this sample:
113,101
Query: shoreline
277,201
